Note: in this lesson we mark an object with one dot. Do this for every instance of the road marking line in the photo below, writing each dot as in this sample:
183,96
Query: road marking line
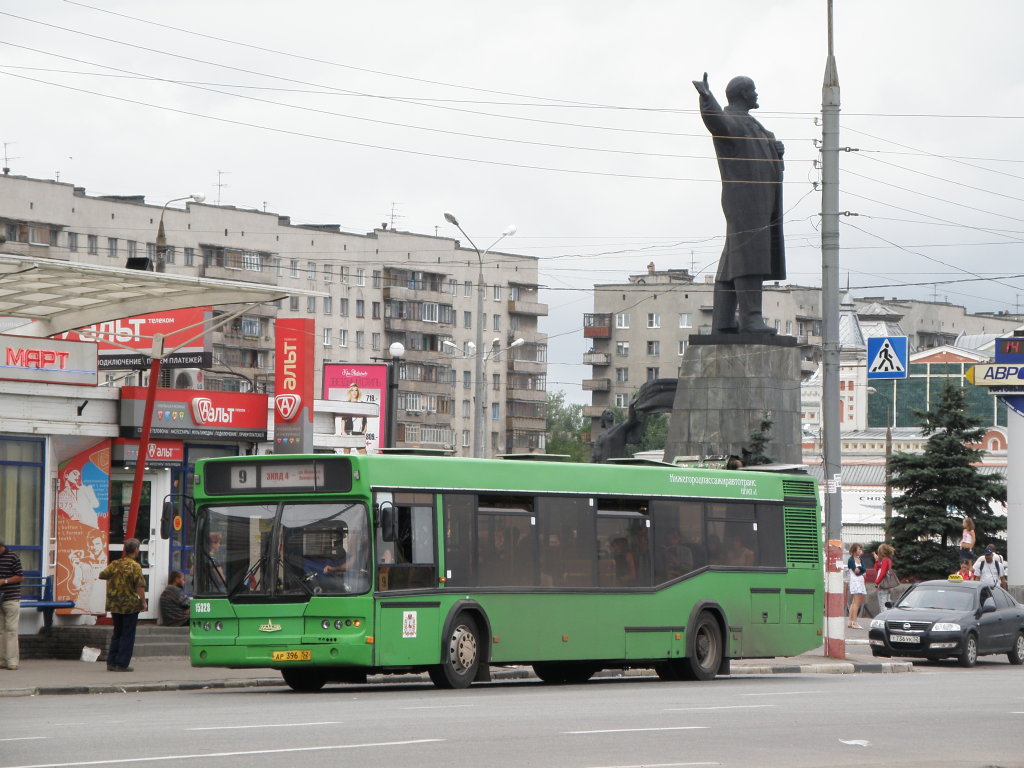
782,693
25,738
732,706
656,765
270,725
446,706
226,754
634,730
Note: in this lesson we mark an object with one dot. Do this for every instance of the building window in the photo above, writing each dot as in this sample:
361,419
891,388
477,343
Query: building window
94,244
465,380
465,438
375,278
622,320
343,307
23,484
652,374
310,304
497,293
327,337
653,348
251,261
497,322
294,267
343,338
430,312
682,347
621,400
495,411
374,341
684,320
360,308
495,381
360,339
467,319
112,247
653,320
311,270
190,254
622,348
293,303
375,310
72,241
465,409
328,305
328,273
133,248
453,287
343,274
467,288
622,375
360,276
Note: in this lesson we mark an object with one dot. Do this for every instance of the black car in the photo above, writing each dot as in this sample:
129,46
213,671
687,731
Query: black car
962,619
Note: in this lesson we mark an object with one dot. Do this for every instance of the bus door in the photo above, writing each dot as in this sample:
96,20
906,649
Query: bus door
408,626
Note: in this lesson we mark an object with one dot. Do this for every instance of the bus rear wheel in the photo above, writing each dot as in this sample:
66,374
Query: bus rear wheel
706,653
304,680
561,672
460,656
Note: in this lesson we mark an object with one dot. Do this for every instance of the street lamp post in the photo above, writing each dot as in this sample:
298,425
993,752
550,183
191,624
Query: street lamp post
397,349
161,237
479,449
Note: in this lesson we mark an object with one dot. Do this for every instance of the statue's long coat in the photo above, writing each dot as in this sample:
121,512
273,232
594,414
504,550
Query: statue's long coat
747,152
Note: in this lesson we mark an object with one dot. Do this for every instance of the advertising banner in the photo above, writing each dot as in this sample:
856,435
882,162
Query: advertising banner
83,529
23,358
363,392
189,413
293,376
160,453
177,326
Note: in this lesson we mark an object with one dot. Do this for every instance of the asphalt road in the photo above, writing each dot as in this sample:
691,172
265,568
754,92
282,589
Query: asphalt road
927,718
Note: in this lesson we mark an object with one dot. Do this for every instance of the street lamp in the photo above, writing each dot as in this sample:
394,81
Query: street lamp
397,349
161,237
888,456
479,449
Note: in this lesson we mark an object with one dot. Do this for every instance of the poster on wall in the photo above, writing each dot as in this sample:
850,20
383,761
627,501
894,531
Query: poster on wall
362,390
83,529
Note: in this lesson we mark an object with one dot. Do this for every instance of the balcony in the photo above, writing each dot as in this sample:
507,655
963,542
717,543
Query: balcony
527,308
597,385
597,326
597,358
594,411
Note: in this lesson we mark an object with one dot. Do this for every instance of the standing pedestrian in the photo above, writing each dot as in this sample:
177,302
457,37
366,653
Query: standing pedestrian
858,592
126,597
990,570
885,575
967,540
10,600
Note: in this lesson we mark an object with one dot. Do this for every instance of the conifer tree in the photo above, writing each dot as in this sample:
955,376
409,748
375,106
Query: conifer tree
940,487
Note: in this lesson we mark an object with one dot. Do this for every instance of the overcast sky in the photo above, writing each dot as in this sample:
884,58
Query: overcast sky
576,121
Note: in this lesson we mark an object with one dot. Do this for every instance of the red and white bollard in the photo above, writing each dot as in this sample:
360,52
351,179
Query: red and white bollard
835,605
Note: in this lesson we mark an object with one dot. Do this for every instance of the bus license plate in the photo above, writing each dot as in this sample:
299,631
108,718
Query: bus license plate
904,638
291,655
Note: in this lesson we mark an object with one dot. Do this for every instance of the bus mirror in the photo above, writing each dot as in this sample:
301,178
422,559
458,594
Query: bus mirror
388,521
166,518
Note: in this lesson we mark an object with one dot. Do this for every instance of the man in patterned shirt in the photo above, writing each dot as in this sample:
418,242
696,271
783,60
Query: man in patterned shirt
126,597
10,601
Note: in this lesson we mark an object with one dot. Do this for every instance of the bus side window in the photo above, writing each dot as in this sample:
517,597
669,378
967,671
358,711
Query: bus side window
566,542
409,561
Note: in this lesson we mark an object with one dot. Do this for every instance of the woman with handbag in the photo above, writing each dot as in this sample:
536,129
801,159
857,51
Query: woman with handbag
885,579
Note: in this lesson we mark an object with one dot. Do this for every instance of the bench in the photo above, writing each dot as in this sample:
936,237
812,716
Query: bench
37,592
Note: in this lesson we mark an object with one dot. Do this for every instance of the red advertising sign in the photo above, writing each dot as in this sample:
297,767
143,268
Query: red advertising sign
24,358
182,413
293,399
177,326
362,391
159,453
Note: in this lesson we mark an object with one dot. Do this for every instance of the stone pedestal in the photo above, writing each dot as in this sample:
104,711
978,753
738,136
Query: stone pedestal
727,383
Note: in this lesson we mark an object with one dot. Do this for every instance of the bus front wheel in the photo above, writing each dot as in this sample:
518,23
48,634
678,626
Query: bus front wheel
706,653
460,656
304,680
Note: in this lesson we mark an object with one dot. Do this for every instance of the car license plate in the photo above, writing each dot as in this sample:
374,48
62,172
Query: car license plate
905,639
291,655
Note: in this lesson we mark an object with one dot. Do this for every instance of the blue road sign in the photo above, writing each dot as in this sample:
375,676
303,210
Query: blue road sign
887,357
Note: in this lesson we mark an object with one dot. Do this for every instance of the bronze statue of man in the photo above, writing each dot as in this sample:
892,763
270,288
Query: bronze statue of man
750,163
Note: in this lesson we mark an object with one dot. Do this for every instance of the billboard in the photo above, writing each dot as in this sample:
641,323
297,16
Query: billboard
24,358
136,333
362,391
189,413
293,376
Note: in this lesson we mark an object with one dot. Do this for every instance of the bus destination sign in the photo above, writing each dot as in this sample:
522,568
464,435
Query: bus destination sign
277,476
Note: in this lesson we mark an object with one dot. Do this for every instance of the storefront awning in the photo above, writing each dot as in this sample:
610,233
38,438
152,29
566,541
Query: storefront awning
57,296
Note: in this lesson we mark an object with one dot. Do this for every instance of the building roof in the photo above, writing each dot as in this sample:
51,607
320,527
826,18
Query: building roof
54,296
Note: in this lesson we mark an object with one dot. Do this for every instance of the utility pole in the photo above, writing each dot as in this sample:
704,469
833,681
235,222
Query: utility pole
835,624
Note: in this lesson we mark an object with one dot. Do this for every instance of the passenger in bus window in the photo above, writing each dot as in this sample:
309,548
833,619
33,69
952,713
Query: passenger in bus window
625,565
214,543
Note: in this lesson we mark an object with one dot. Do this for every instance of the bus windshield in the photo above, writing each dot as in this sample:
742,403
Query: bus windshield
283,550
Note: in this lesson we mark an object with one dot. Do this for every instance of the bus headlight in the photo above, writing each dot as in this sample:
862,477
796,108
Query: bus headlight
219,626
206,626
326,623
338,624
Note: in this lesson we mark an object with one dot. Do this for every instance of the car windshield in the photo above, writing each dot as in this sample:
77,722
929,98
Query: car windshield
938,598
270,550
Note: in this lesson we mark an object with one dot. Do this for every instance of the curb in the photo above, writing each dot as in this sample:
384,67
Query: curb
828,668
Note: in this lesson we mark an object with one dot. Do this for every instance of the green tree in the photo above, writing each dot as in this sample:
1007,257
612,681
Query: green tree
654,434
566,426
940,487
759,439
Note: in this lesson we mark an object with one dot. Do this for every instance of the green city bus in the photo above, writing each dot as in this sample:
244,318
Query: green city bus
328,567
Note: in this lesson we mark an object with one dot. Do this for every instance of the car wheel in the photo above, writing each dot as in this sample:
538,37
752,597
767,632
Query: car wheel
970,655
460,656
1016,654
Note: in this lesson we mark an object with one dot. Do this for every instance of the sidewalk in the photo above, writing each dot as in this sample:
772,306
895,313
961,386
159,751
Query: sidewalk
40,677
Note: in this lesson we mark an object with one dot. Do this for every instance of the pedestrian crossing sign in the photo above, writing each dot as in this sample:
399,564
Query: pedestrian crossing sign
887,357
